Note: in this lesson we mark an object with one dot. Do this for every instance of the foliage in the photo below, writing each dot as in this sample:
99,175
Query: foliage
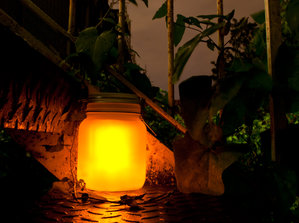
97,47
204,24
135,3
162,129
265,193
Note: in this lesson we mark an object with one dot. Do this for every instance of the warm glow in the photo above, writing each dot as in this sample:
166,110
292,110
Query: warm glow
111,151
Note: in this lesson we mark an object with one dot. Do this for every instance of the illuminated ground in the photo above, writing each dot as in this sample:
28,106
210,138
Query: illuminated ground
151,205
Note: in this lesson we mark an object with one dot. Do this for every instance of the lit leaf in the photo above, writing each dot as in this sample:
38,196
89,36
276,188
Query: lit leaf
259,17
179,29
102,47
162,11
86,40
182,56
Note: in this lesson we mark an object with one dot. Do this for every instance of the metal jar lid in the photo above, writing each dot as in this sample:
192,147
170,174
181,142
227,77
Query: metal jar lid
113,102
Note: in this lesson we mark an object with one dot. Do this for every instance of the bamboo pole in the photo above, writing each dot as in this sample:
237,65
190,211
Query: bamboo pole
148,101
72,17
274,40
220,40
47,19
121,38
9,22
170,29
36,44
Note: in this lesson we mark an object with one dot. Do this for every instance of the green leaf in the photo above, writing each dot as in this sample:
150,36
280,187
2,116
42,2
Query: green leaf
259,17
210,45
86,40
102,47
193,21
182,56
292,16
110,20
225,90
230,15
212,29
133,1
162,11
209,16
239,65
233,118
145,2
179,29
260,80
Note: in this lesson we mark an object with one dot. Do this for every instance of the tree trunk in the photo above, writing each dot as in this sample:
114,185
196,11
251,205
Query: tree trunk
170,53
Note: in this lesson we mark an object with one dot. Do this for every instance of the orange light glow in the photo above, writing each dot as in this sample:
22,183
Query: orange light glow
112,151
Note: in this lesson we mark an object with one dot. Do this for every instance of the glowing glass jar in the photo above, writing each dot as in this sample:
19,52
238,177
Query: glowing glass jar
112,144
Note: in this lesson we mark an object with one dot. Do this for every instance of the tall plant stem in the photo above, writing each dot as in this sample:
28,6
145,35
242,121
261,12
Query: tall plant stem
170,27
274,40
220,40
121,38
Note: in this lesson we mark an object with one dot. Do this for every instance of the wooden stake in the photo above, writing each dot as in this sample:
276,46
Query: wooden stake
72,17
274,39
170,52
220,41
121,38
148,101
47,19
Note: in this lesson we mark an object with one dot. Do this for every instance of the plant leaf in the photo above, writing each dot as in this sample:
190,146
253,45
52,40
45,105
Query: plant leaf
162,11
145,2
210,45
193,21
225,90
133,1
292,15
230,15
179,29
102,47
182,56
231,117
209,16
259,17
86,40
239,65
212,29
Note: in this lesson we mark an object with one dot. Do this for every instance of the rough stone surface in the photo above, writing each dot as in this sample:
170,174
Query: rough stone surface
199,169
160,163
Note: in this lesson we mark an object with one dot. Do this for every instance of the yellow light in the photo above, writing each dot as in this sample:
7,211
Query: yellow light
112,151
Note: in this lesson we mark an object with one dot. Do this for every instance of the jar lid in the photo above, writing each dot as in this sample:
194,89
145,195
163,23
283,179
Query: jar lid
107,97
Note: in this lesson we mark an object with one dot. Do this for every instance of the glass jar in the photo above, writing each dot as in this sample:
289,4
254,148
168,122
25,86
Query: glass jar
112,143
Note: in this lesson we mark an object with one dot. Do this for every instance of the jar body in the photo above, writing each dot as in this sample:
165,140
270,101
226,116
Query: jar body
112,151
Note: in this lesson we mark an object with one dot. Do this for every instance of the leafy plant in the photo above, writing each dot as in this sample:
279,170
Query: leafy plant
97,47
205,25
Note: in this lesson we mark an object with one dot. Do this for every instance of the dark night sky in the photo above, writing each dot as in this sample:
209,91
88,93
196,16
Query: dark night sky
149,37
